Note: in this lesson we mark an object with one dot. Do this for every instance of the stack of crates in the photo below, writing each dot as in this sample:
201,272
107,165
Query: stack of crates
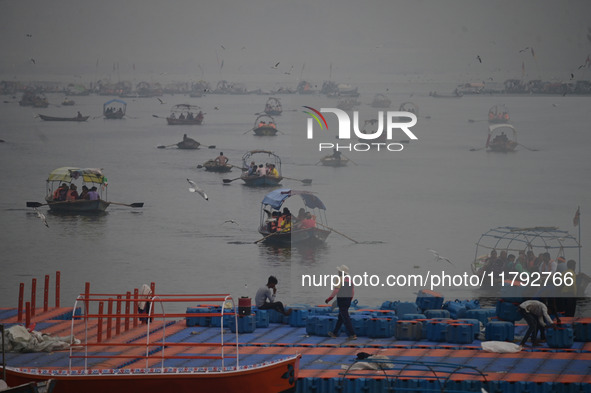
409,330
582,329
380,327
246,324
459,333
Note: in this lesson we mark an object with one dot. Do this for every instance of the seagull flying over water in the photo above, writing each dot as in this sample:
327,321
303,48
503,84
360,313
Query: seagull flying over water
232,222
439,257
276,65
524,49
479,58
42,217
195,188
32,60
159,99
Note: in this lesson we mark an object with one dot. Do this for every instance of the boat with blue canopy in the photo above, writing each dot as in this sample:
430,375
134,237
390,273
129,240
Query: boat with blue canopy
279,227
114,109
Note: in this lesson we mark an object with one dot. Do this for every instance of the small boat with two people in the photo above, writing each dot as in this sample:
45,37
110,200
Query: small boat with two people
218,164
114,109
152,352
273,107
279,227
265,125
78,117
185,114
260,174
502,138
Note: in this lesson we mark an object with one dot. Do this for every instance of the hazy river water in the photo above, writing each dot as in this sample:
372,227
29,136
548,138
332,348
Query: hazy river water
435,194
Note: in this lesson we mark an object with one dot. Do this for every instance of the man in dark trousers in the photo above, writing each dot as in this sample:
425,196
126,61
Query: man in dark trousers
344,292
536,315
265,297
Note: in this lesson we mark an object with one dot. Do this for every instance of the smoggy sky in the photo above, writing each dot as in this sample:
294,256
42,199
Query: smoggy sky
188,37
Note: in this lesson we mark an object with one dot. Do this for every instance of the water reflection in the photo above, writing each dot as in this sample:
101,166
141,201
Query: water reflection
306,255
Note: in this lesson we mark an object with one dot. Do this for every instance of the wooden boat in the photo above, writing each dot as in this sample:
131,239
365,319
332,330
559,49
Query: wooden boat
185,114
68,102
332,160
517,240
498,114
264,125
188,143
69,175
273,107
499,141
214,166
454,94
53,118
156,361
32,387
114,109
271,210
256,180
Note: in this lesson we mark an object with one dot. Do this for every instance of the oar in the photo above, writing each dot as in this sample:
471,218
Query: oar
480,148
304,181
342,234
158,117
527,147
248,131
475,121
164,147
269,235
36,204
137,204
226,181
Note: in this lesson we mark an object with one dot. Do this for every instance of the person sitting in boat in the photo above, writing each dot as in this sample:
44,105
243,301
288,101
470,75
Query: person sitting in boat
80,115
72,194
252,169
60,193
272,171
261,171
272,125
190,116
262,124
172,116
285,223
221,159
308,222
336,154
120,111
84,192
265,297
200,116
272,223
93,194
182,116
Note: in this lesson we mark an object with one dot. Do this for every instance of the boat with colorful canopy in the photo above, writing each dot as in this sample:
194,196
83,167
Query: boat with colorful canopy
308,228
68,176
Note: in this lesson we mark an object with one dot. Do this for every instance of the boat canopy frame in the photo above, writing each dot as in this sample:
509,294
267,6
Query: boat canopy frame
524,239
89,307
248,157
113,101
261,117
71,174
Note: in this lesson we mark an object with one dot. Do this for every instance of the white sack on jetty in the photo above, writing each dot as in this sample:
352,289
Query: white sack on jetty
18,339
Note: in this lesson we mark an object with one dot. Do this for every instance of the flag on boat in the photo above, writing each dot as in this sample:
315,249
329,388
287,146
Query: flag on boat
577,217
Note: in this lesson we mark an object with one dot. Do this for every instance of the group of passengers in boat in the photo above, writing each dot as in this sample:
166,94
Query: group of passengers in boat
265,124
267,169
188,116
70,193
112,110
284,222
527,262
501,138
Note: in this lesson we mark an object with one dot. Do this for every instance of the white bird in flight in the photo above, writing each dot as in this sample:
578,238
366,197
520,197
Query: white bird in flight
232,222
42,217
439,257
195,188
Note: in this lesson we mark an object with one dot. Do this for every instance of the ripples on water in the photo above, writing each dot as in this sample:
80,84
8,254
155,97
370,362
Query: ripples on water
435,194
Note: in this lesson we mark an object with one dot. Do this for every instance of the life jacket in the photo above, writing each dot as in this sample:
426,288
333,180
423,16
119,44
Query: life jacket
72,195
